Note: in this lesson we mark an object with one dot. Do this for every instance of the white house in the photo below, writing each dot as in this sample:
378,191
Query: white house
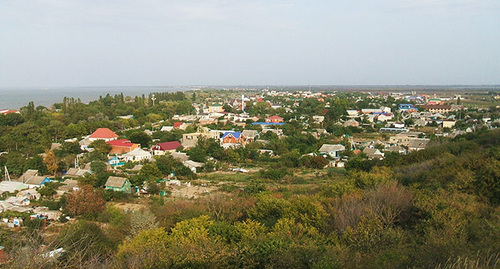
136,155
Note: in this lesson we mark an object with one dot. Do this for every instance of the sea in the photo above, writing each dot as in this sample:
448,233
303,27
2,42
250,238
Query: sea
17,97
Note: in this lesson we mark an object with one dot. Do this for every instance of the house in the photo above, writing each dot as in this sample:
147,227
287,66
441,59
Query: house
118,184
121,146
68,185
395,149
103,134
167,128
448,123
331,150
373,153
274,119
351,122
318,119
36,181
207,120
180,156
180,125
215,109
136,155
113,162
191,139
12,186
385,117
352,112
437,108
407,108
403,139
76,172
418,144
233,138
250,135
7,111
278,132
162,148
29,173
192,165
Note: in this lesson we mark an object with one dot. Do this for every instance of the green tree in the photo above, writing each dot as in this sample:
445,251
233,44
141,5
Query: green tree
150,171
141,138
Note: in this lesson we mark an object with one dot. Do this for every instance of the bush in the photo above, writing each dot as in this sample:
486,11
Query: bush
275,174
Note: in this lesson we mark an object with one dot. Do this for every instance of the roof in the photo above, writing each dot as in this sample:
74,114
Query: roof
136,168
274,117
436,106
5,112
29,173
172,145
371,151
236,135
178,124
268,123
116,182
35,180
394,149
167,128
180,156
76,172
192,164
103,133
418,143
330,148
69,184
121,143
137,152
249,133
11,186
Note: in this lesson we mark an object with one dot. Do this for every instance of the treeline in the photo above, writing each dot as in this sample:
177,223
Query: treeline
36,127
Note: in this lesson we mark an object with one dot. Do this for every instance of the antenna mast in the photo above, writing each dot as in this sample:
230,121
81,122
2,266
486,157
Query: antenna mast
7,176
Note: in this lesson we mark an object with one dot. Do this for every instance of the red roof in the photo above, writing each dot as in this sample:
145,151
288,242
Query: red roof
103,133
178,124
121,143
275,117
167,145
5,112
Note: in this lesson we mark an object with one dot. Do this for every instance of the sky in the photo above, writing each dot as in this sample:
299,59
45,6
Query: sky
53,43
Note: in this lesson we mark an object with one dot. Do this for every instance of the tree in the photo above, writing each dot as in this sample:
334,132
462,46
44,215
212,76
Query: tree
47,191
86,202
150,171
51,161
84,239
37,163
141,138
142,220
100,146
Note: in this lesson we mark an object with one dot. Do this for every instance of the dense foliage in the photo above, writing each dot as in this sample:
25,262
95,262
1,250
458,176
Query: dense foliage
436,207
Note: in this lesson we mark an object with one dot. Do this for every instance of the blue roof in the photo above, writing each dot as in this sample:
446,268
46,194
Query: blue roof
236,135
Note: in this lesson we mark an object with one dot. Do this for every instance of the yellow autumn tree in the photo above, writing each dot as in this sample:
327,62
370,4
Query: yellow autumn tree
51,161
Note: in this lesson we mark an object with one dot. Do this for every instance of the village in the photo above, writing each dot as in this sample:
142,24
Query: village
227,140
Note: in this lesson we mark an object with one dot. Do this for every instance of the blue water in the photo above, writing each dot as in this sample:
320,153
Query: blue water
15,98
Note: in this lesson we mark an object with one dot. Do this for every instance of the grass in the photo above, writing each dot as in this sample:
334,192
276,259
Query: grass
226,176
